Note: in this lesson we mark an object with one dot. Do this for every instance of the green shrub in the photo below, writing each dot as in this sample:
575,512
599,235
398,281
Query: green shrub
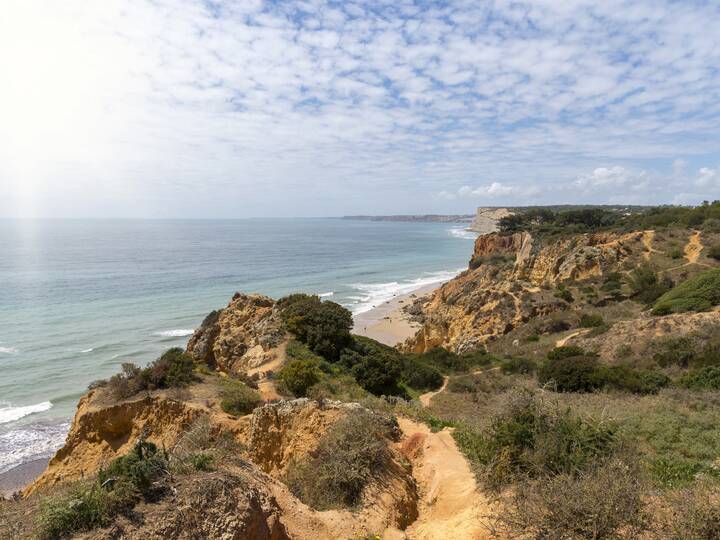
349,455
628,379
174,368
238,399
707,378
140,468
379,374
201,461
676,253
679,351
533,338
116,489
590,320
604,502
571,374
462,385
322,325
531,438
714,252
299,375
420,376
645,285
565,294
518,365
566,351
698,293
84,507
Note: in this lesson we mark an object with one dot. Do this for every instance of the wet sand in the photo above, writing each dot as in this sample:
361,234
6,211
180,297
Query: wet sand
387,322
18,477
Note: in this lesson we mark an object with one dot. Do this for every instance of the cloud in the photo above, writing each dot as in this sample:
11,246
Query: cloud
285,107
707,178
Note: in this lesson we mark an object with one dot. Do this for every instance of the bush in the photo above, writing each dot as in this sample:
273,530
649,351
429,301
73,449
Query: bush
116,489
694,514
565,294
601,503
462,385
645,286
379,374
714,252
349,455
566,351
675,352
590,320
449,362
299,375
698,293
707,378
627,379
420,376
571,374
84,507
518,365
530,438
323,326
238,399
173,369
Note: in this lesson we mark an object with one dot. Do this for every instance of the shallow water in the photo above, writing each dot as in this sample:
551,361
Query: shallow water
78,298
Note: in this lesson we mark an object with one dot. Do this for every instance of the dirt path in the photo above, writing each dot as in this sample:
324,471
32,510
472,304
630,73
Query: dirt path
693,248
425,398
647,240
266,386
450,505
562,341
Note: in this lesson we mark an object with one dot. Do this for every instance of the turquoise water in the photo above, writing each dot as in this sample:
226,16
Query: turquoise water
78,298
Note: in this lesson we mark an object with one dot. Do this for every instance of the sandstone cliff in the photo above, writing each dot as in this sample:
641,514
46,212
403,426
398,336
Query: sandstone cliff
509,281
486,219
242,336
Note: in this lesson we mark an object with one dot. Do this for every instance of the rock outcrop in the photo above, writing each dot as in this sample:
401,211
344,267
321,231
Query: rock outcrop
508,283
242,336
486,219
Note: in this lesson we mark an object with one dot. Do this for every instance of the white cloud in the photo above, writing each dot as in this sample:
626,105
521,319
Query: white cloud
271,108
707,178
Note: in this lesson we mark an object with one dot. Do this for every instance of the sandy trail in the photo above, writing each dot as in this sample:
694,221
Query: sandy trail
425,398
266,386
647,240
562,341
450,506
693,248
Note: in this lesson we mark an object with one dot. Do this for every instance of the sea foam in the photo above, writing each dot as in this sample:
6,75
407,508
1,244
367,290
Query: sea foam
30,442
8,350
8,413
460,232
373,294
180,332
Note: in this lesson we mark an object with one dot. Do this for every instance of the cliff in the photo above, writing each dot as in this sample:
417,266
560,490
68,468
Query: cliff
244,335
510,280
486,219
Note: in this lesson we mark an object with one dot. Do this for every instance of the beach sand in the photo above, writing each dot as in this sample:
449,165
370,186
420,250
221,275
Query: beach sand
387,322
18,477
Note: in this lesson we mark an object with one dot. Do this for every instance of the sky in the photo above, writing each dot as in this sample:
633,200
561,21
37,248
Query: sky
250,108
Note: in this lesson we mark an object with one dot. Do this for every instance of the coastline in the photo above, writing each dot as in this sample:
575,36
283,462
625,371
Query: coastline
22,475
387,322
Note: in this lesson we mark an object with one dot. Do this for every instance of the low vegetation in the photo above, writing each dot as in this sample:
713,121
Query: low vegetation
699,293
174,369
116,490
237,398
349,456
532,438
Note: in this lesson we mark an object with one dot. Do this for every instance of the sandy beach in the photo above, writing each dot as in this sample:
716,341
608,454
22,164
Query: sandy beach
18,477
387,322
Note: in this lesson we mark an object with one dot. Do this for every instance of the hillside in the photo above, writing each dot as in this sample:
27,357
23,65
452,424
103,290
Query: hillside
566,385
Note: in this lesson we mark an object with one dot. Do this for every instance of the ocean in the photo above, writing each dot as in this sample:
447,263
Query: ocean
78,298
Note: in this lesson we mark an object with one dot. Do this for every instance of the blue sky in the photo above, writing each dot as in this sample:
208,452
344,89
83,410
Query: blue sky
163,108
